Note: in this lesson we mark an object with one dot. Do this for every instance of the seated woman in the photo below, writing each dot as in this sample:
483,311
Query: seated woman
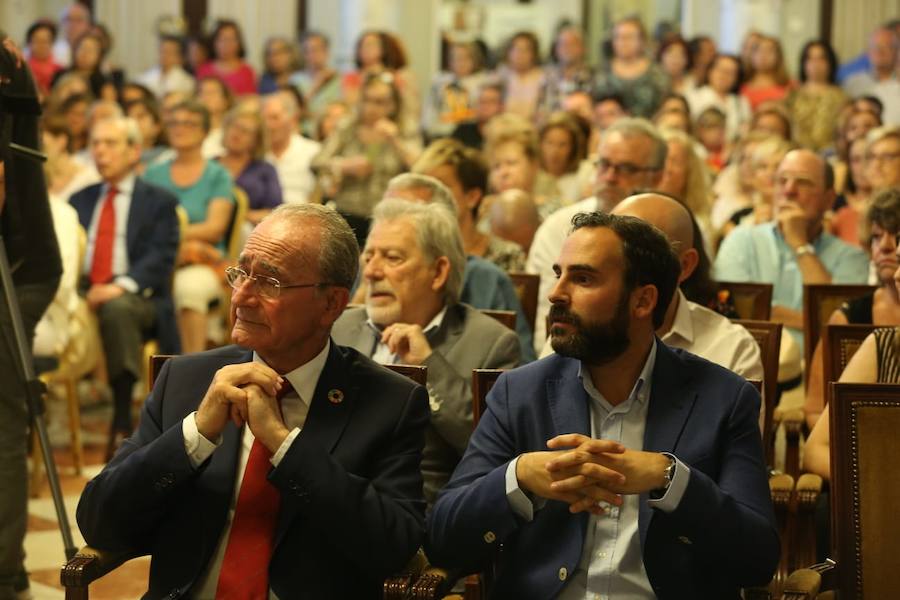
228,62
562,148
850,206
764,162
204,189
64,174
366,151
880,308
244,140
146,113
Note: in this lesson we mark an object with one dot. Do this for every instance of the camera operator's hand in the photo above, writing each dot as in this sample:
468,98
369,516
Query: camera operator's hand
15,60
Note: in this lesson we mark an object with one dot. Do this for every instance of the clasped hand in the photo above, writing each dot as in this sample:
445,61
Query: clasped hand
584,472
244,393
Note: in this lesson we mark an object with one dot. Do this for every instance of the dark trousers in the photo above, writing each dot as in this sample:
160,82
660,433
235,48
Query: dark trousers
124,322
14,422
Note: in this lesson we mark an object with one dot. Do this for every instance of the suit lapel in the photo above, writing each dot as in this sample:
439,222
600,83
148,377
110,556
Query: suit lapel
450,330
671,402
136,216
326,420
569,401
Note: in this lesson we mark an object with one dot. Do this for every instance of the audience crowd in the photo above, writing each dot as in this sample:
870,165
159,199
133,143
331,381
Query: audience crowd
752,175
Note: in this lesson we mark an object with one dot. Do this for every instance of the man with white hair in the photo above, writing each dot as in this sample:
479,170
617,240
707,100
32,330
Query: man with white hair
413,269
133,235
289,152
631,158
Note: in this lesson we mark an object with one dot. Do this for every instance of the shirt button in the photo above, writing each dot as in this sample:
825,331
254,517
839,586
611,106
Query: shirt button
489,537
563,573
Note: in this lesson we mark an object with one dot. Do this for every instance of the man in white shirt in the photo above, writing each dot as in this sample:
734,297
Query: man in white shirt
285,466
169,75
76,20
289,152
881,79
632,155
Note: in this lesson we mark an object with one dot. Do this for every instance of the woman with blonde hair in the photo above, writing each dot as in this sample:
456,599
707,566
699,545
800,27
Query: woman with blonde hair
686,178
244,139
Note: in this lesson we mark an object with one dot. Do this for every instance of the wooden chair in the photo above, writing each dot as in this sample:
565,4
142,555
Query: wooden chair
864,421
768,337
238,218
506,317
752,301
482,382
840,344
819,301
527,286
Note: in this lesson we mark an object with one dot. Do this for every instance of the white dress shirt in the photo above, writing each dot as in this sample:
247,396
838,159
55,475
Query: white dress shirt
293,167
122,205
612,564
294,408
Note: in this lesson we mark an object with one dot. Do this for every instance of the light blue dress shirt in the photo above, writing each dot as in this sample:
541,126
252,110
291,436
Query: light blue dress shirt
611,564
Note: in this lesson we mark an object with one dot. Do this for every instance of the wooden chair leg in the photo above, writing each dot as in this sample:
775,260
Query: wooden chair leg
75,424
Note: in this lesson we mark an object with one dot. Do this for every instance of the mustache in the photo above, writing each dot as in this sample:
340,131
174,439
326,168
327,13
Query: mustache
380,288
560,313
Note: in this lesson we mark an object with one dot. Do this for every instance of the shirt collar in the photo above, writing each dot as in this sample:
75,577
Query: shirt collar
126,186
432,326
640,393
305,378
682,325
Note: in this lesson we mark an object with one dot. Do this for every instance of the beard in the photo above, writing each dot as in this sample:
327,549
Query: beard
595,343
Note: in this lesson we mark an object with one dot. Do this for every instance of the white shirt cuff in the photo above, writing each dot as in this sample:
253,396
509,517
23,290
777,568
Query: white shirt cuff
672,498
284,447
198,448
126,283
518,501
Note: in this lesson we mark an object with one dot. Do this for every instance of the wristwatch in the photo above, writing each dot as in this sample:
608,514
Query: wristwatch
804,249
669,475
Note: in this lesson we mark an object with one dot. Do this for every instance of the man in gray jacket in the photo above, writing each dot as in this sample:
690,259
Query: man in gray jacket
413,270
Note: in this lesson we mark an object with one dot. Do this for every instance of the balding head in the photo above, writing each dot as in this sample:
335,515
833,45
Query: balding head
669,216
514,217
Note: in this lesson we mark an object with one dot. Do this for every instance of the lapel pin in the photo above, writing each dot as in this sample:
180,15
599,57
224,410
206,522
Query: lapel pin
335,396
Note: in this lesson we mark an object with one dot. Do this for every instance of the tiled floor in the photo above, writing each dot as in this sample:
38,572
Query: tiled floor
44,549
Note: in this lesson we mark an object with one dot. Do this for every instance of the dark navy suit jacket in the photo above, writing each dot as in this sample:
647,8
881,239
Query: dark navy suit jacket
152,243
721,537
352,510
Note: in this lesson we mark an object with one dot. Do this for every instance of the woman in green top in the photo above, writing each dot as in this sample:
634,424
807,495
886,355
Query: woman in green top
204,189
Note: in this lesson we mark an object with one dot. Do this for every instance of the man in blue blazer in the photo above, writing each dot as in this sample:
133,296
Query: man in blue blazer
133,232
291,469
617,468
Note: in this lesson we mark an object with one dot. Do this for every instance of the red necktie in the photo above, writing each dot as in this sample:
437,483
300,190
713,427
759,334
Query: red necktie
245,568
101,268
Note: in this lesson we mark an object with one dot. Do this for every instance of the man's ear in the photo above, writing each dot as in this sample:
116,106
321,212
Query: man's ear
336,299
645,299
441,273
689,260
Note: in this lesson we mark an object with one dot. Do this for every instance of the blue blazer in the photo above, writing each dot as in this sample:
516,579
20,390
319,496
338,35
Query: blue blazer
721,537
152,242
352,510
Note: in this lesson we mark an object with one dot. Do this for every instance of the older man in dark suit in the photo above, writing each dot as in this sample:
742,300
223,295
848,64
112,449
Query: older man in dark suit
414,263
287,466
132,230
618,467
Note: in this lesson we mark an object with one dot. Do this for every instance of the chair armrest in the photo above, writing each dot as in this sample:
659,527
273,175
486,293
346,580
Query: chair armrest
809,486
397,586
804,584
433,584
794,423
89,565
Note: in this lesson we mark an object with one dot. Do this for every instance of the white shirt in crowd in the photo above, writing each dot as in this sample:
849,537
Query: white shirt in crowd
297,179
175,80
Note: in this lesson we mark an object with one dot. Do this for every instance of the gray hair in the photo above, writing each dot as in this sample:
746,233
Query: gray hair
629,127
437,233
129,126
338,251
440,193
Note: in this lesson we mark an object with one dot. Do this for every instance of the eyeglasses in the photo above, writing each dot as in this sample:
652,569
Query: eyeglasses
267,287
175,123
882,158
626,169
